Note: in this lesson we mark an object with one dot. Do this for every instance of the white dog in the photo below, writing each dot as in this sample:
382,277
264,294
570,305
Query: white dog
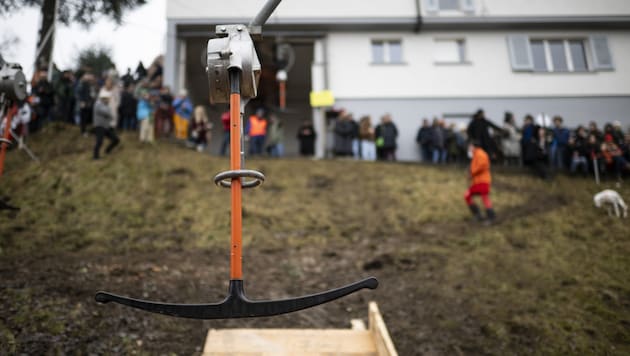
612,199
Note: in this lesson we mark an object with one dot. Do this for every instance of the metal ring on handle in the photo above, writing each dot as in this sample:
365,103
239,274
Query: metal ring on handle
4,140
224,179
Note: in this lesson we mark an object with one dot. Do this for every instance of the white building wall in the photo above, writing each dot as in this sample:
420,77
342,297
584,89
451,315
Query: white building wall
299,9
552,7
489,73
239,9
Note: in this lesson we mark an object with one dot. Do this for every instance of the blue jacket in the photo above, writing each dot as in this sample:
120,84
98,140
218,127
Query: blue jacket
144,110
183,107
560,137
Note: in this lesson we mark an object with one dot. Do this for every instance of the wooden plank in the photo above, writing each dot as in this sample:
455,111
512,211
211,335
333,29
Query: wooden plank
384,344
308,342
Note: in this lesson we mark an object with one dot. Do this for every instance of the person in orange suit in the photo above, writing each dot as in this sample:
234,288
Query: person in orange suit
481,179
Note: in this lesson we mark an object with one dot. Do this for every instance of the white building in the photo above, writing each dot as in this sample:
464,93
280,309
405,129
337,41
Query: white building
425,58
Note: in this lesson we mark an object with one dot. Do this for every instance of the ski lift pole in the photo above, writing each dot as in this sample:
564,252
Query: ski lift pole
264,14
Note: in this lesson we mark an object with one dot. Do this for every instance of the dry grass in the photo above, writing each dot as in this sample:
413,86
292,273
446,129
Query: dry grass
551,278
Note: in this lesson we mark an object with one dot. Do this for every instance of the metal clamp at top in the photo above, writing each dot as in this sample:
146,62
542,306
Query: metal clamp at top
233,49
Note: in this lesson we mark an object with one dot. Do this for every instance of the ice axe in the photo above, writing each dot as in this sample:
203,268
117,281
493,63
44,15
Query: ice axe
233,71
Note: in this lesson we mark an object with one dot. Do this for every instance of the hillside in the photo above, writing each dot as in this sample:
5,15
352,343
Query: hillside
147,221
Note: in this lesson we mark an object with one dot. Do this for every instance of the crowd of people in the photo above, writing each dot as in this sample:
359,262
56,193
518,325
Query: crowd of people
362,140
585,150
106,103
545,150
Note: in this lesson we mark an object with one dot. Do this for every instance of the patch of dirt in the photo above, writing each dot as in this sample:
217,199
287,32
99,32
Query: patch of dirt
158,229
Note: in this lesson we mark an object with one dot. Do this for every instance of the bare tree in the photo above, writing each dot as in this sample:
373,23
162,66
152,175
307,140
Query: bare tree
67,11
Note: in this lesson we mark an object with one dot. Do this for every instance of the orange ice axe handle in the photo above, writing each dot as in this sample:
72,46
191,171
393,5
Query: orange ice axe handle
236,304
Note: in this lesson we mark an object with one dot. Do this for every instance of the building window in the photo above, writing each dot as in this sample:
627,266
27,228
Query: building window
560,55
436,6
387,52
449,4
450,51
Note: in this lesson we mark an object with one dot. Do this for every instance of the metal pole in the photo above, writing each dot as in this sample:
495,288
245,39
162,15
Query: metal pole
596,169
264,13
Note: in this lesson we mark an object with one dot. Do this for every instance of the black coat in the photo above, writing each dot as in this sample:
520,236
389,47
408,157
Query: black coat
389,133
344,134
306,135
128,105
425,136
478,130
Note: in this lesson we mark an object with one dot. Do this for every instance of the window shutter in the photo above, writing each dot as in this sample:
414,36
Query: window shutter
602,58
433,6
468,6
520,53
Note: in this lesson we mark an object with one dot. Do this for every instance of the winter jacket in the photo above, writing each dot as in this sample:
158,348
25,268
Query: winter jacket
439,137
144,109
102,115
183,107
128,105
306,135
389,133
425,136
276,133
511,141
480,167
344,133
478,130
560,137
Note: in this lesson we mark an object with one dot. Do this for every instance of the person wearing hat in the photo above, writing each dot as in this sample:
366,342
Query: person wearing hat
481,179
103,124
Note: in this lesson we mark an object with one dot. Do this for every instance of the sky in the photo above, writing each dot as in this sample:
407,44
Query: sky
141,36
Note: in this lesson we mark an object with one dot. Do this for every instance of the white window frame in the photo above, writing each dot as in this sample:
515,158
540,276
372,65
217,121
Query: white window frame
387,60
598,53
464,60
567,53
465,6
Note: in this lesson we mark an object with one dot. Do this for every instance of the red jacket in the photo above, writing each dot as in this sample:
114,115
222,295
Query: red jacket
225,120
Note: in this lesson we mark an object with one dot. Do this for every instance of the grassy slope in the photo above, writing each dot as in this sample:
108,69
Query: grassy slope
551,278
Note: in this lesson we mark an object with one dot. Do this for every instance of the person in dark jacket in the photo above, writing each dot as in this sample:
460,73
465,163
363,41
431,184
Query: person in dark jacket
439,141
86,93
559,143
577,148
424,139
64,97
478,130
306,135
45,98
536,153
128,108
386,135
344,135
102,125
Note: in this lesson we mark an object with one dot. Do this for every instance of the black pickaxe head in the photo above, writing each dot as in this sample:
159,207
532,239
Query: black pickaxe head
236,304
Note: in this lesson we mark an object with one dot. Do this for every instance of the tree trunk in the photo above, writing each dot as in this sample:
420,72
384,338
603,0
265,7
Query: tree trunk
46,36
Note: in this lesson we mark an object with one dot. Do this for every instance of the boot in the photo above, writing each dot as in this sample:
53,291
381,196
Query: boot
490,215
474,209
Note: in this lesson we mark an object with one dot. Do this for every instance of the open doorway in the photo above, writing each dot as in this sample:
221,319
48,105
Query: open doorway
298,86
